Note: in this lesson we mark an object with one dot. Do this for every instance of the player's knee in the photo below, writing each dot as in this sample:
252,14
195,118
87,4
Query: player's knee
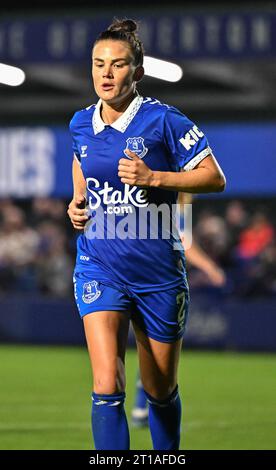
161,390
108,384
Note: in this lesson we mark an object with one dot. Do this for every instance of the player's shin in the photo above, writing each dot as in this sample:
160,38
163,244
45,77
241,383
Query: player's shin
109,423
164,421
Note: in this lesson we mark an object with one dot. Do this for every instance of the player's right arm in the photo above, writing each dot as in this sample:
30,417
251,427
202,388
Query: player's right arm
76,209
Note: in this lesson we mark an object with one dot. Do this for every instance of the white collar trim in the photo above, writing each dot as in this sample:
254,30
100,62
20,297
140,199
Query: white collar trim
122,122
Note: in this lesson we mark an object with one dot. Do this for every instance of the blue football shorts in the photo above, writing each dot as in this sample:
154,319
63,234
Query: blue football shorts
161,315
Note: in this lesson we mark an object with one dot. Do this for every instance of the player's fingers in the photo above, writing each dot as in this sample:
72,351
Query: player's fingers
128,181
125,162
79,222
80,212
76,211
124,167
76,217
132,154
79,218
129,163
78,227
125,174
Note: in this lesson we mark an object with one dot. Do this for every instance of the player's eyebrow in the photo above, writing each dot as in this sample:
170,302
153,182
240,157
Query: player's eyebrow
114,60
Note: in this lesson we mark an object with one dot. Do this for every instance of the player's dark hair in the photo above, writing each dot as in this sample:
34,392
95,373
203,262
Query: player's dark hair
125,30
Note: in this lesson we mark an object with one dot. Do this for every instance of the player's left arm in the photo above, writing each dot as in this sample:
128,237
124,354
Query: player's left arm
205,177
198,258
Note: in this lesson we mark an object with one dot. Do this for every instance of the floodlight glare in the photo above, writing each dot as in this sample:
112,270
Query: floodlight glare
162,69
12,76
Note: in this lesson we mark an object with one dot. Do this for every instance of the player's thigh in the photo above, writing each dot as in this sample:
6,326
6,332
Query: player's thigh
106,335
158,364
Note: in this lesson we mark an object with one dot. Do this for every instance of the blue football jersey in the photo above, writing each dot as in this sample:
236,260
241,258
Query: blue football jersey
131,235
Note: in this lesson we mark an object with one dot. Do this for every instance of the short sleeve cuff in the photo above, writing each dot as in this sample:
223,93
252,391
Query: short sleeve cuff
197,159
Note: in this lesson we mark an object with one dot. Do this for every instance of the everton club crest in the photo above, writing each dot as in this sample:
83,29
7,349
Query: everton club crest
136,145
90,292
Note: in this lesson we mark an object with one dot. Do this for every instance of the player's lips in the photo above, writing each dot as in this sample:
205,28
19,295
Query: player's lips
107,86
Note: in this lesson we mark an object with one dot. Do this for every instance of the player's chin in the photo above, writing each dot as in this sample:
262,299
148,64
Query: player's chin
107,95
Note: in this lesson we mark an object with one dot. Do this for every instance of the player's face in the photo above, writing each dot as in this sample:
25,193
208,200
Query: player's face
113,70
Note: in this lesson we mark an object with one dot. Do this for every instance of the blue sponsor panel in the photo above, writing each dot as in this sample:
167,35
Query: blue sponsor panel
215,322
223,322
37,161
181,34
39,320
246,152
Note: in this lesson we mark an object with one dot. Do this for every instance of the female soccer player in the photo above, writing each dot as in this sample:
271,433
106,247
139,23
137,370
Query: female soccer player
129,151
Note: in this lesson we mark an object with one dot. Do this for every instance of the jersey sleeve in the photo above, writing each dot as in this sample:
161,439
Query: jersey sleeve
184,140
73,132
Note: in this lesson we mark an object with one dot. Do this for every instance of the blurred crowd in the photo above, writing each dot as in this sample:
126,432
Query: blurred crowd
37,247
35,250
242,241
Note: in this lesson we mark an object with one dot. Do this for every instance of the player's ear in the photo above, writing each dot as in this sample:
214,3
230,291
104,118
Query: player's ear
139,73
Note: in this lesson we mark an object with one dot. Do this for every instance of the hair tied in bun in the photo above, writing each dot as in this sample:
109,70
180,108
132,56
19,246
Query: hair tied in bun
128,26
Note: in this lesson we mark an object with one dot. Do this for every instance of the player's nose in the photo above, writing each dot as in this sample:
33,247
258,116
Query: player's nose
107,72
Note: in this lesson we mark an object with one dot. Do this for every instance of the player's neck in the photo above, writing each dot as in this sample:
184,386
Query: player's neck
111,112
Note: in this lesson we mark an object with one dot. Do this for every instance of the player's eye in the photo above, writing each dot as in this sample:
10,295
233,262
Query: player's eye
118,66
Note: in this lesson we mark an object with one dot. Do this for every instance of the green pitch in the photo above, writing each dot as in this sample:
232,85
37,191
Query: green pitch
229,400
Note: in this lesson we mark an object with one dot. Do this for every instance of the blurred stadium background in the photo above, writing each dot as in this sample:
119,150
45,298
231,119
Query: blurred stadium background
228,371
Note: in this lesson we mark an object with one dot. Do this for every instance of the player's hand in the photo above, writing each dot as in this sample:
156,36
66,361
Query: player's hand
77,212
134,171
217,277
